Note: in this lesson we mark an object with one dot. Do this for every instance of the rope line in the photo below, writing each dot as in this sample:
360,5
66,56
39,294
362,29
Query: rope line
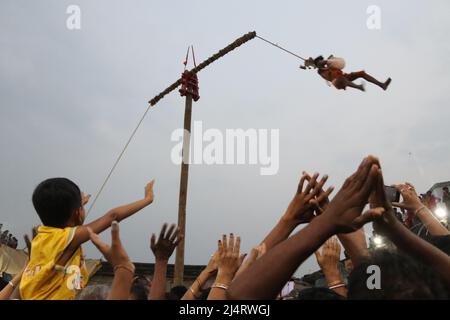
117,160
279,47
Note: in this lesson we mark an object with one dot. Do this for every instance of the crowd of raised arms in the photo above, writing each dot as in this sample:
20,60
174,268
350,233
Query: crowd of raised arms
410,268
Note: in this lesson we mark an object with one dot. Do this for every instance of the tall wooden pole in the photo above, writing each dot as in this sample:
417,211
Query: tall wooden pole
189,89
179,259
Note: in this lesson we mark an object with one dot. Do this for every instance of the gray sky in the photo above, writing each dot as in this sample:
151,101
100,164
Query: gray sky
69,100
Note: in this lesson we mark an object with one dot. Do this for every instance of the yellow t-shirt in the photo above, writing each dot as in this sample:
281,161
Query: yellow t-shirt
43,279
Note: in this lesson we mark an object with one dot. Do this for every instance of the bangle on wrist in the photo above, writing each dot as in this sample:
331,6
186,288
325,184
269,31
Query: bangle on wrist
220,286
333,283
419,209
193,293
339,285
129,267
12,284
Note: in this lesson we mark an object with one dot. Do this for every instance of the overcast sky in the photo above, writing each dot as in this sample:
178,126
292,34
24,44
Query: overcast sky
69,100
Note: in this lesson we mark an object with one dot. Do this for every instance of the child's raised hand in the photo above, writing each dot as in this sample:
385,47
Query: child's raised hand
85,198
149,195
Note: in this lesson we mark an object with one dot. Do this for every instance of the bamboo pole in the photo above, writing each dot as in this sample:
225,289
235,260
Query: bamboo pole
179,259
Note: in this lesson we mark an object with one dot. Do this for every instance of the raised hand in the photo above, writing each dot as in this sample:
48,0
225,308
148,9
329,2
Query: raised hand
321,201
344,211
114,253
261,250
229,260
149,195
410,202
163,249
118,257
410,199
328,261
167,242
329,258
85,198
301,208
212,265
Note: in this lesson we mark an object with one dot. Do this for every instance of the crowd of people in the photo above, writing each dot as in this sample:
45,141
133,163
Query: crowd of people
7,239
409,268
432,201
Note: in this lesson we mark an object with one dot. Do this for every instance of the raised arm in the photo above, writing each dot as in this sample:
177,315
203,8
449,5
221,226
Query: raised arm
118,257
228,263
406,240
412,203
193,293
12,286
354,243
300,209
342,215
328,261
117,214
255,254
163,249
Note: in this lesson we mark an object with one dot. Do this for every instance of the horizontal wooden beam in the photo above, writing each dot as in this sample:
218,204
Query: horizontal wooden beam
204,64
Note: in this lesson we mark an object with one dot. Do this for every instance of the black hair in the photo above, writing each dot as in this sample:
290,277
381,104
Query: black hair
55,200
139,291
318,59
178,291
3,283
441,242
94,292
204,294
318,293
171,296
142,279
401,277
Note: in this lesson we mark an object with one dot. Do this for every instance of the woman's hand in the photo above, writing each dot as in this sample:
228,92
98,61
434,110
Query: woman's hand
229,260
328,260
212,265
301,208
410,199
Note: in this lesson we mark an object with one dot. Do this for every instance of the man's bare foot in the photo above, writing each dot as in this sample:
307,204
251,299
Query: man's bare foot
386,83
362,87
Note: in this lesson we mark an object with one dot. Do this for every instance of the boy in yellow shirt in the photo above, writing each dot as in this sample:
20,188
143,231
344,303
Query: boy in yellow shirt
56,269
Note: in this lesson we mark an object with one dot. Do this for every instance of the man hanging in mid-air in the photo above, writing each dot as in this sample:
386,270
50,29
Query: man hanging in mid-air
331,70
